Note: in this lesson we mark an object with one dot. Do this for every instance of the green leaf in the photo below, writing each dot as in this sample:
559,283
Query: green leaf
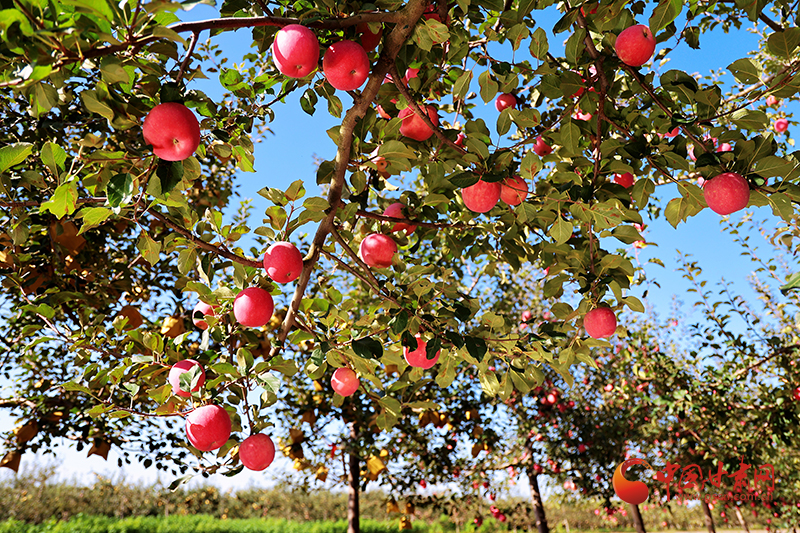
792,283
570,135
476,347
539,46
461,86
71,386
368,348
149,248
745,70
13,154
627,234
488,86
664,13
308,101
93,217
750,119
54,157
783,43
561,231
119,190
63,201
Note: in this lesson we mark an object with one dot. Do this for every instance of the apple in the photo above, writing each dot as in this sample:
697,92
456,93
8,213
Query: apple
283,262
382,113
377,250
418,358
133,315
635,45
626,179
173,131
346,65
460,139
505,101
208,427
411,73
204,309
295,51
600,322
253,307
396,210
541,148
369,40
256,452
423,484
344,381
781,125
796,394
726,193
581,448
580,115
482,196
673,133
725,147
513,190
772,101
177,370
414,127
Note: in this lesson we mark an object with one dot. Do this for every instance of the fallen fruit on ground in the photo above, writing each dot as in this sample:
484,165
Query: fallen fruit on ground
208,427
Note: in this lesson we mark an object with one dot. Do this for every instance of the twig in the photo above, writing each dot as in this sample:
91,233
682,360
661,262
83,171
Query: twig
354,256
188,58
352,271
375,216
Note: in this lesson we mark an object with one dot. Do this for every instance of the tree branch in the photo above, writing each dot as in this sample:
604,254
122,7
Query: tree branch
375,216
405,20
188,57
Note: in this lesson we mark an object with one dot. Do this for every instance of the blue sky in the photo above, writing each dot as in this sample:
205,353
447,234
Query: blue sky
289,154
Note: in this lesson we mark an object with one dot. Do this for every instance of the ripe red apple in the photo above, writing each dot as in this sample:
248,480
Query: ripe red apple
581,448
460,139
368,39
283,262
377,250
204,309
253,307
344,381
417,358
382,113
410,74
505,101
772,101
346,65
726,193
796,394
177,370
541,148
481,197
635,45
396,210
423,483
414,127
256,452
600,322
295,51
208,427
513,190
781,125
626,179
173,131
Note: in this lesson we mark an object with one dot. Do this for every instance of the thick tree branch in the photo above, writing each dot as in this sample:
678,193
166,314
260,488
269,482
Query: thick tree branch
405,21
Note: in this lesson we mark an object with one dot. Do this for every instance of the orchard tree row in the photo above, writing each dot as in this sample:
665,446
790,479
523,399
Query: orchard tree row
118,172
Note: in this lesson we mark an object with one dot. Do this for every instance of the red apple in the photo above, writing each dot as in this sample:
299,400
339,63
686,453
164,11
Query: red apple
541,148
377,250
346,65
396,210
796,394
726,193
635,45
418,358
411,73
772,101
460,139
208,427
423,484
173,131
283,262
256,452
580,115
600,322
414,127
382,113
626,179
673,133
295,51
505,101
177,370
344,381
368,39
204,309
781,125
513,190
253,307
481,197
581,448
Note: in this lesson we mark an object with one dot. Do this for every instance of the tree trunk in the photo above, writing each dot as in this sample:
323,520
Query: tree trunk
709,519
740,516
353,479
637,519
538,506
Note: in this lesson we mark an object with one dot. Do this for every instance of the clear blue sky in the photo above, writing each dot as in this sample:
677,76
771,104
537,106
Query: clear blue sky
289,155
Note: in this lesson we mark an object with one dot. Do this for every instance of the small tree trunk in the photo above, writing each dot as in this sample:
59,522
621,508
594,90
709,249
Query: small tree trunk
538,506
353,479
740,516
709,519
637,519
